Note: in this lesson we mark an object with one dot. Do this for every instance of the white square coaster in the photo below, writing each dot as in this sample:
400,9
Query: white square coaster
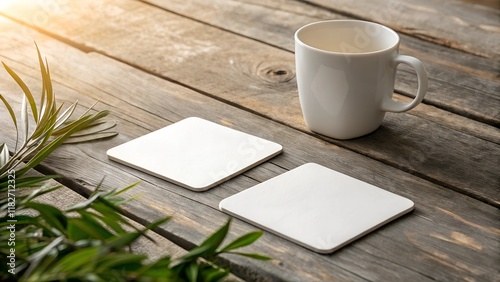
195,153
316,207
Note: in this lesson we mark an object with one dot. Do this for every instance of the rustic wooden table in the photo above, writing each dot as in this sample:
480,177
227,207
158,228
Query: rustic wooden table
153,63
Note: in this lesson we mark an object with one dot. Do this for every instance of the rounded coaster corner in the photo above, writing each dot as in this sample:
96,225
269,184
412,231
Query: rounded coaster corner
316,207
195,153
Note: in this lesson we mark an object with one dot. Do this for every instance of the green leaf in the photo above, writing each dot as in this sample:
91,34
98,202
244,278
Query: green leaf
47,123
123,240
48,117
24,119
65,115
89,224
20,221
76,260
96,127
192,271
110,211
123,190
209,274
85,204
4,155
254,256
36,181
30,182
40,256
37,269
120,261
90,137
243,241
70,125
112,223
48,99
9,108
25,89
52,215
158,268
49,148
208,247
111,217
75,233
109,202
214,241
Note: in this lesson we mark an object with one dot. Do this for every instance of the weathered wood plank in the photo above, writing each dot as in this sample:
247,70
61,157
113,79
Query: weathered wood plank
184,51
466,85
449,237
64,198
456,24
463,84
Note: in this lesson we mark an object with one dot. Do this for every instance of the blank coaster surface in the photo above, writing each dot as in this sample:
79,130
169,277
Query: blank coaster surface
195,153
316,207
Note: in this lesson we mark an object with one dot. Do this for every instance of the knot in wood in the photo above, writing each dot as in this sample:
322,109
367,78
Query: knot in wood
275,73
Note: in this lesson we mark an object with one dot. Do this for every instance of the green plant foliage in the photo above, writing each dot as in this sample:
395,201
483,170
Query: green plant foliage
52,126
90,241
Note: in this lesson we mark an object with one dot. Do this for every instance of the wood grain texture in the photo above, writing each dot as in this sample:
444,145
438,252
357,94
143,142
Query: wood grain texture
460,83
65,198
467,85
243,72
464,26
449,236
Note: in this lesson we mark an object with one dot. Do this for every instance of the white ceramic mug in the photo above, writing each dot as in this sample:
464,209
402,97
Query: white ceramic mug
345,75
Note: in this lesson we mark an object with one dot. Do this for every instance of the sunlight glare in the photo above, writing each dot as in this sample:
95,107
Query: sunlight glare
4,4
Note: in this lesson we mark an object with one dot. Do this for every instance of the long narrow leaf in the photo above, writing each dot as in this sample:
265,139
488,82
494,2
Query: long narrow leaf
25,154
47,123
40,256
48,249
254,256
4,155
35,182
125,240
92,137
121,191
243,241
99,126
111,223
75,261
90,108
9,108
208,247
84,205
44,152
52,215
108,212
65,115
122,261
69,126
25,89
158,269
46,88
24,119
216,238
214,274
43,96
192,271
88,224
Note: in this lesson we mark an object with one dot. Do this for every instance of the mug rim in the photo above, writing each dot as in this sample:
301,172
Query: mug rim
309,25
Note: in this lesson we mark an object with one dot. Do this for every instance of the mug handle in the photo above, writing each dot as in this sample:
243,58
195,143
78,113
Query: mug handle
389,105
